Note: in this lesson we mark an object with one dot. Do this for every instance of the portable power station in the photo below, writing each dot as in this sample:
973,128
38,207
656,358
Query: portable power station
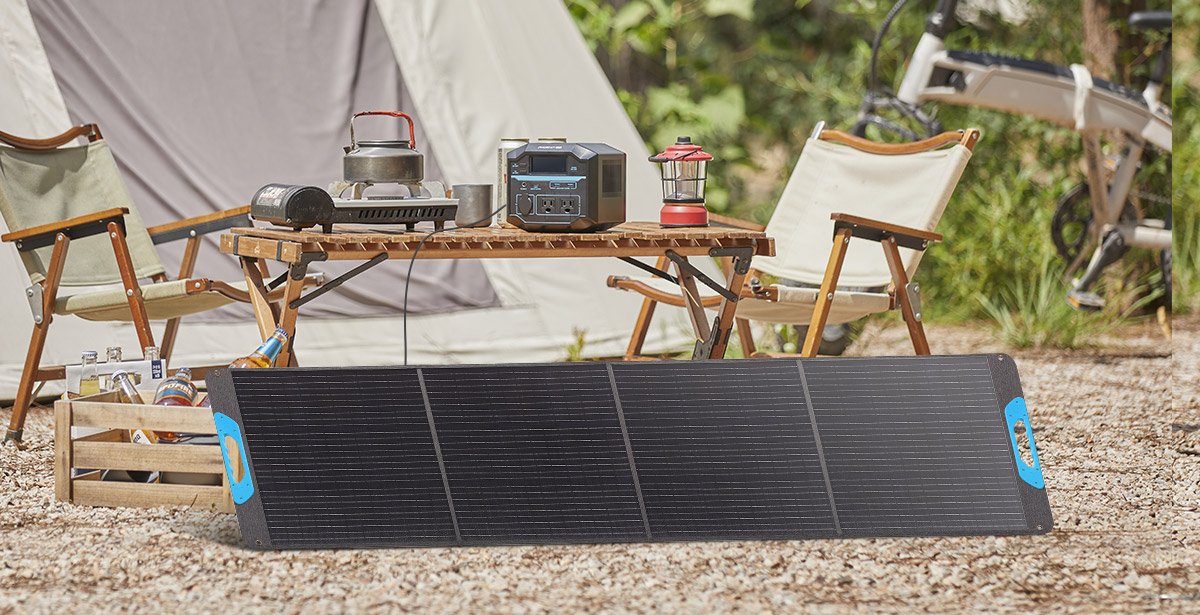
566,187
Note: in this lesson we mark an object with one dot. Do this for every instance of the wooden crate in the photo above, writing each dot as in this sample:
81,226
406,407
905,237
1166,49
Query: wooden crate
111,450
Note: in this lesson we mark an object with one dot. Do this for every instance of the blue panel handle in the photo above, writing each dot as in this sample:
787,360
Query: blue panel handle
1016,412
243,489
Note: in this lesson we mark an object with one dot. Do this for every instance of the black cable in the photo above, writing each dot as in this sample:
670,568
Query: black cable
413,260
872,76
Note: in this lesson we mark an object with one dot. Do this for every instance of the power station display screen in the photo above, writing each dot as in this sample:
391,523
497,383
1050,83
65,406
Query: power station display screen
548,164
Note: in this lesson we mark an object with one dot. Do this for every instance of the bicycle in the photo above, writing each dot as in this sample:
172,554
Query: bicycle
1066,95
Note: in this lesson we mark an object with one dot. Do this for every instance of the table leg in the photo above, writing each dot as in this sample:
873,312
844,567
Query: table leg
691,298
264,312
714,345
287,317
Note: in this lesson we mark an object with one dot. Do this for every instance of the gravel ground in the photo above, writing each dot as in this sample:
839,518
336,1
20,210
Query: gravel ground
1117,436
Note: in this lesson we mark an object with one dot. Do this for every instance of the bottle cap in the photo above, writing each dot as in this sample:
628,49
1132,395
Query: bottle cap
184,370
119,373
90,353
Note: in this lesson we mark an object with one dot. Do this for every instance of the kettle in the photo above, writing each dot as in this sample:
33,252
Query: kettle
383,161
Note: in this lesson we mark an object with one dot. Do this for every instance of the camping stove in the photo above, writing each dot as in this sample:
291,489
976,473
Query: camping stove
304,206
366,163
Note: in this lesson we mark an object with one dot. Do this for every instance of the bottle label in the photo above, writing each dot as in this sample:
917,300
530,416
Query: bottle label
139,437
156,369
176,390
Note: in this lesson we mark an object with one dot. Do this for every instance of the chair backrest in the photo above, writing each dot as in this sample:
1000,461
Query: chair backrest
45,186
908,189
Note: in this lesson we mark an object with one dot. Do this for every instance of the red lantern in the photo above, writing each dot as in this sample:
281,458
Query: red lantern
684,168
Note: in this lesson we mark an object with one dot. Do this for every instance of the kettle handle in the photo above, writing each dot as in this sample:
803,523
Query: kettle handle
412,135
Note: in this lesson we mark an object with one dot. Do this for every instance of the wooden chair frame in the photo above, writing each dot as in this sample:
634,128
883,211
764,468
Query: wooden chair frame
890,237
110,221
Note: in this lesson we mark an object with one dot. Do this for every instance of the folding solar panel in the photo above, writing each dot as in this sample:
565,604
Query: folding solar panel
630,452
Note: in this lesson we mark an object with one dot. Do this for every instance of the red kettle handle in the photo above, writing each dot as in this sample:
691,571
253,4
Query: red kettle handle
412,135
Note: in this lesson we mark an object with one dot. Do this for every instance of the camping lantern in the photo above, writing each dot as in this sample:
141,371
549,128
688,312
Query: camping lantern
684,167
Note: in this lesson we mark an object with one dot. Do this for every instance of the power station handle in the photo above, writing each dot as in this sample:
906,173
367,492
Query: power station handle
1016,412
227,430
412,134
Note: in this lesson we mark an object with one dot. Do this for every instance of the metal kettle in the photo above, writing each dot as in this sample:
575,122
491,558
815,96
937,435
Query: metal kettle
383,161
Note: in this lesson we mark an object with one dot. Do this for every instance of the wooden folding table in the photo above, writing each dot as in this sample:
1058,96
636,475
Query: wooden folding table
373,245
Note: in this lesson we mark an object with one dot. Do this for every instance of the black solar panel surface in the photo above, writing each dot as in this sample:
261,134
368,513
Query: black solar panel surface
724,450
534,453
598,452
915,448
343,457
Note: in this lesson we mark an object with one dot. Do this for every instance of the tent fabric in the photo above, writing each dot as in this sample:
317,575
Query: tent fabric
469,71
831,177
163,300
212,100
44,187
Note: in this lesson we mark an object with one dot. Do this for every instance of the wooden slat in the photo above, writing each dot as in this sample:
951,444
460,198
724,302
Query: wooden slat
259,247
162,457
111,435
62,451
131,416
178,224
61,225
211,498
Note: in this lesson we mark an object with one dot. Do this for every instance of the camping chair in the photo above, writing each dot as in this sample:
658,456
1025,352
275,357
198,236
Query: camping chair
54,198
845,187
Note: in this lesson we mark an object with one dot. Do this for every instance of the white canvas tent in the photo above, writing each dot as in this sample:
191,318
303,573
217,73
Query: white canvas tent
172,84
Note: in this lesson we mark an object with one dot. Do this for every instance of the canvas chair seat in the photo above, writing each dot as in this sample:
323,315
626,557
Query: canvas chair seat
164,300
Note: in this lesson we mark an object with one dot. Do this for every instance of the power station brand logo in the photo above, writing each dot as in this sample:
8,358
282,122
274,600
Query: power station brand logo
555,148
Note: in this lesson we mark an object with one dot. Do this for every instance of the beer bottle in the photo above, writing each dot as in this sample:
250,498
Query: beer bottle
177,390
263,356
89,380
128,394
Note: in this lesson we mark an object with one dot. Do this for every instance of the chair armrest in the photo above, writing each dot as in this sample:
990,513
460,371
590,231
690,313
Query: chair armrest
200,225
80,226
967,138
874,230
621,282
91,131
736,223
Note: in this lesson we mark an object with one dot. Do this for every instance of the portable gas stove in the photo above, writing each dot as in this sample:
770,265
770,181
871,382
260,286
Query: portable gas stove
366,163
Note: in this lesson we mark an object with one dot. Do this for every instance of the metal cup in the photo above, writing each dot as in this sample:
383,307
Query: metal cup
474,204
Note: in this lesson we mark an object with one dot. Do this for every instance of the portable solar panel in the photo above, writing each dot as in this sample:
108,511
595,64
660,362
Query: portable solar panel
630,452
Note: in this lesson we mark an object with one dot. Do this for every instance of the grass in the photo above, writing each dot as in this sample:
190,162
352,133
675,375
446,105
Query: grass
1033,313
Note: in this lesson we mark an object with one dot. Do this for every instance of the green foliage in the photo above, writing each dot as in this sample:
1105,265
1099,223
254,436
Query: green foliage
749,79
1185,102
1031,313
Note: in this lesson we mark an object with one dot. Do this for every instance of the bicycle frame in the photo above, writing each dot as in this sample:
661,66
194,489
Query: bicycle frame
1069,96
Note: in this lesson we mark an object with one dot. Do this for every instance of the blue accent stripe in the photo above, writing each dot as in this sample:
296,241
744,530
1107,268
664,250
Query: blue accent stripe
1016,412
243,489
